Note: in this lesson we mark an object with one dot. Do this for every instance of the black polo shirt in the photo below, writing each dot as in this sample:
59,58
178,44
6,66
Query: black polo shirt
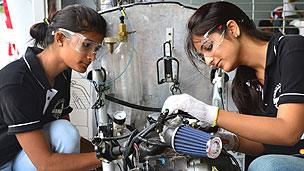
284,80
27,101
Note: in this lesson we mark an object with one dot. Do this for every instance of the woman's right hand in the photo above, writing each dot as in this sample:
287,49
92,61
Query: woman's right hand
192,106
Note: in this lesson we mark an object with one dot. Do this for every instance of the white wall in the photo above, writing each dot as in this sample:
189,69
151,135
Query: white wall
22,17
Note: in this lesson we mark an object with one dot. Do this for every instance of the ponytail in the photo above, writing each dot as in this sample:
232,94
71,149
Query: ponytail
76,18
38,33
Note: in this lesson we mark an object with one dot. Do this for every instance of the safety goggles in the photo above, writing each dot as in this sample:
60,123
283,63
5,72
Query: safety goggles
207,47
80,43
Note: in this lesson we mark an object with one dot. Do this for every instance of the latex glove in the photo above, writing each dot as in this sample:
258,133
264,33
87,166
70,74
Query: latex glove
230,140
192,106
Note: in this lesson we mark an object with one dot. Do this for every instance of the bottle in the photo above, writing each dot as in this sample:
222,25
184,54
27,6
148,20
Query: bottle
127,75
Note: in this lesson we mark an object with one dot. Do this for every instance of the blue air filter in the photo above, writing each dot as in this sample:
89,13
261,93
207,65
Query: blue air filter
196,143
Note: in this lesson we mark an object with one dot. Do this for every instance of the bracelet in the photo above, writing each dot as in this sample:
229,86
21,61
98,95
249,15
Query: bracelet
215,120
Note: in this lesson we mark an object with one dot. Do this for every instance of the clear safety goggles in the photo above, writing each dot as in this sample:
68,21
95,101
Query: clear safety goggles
80,43
207,47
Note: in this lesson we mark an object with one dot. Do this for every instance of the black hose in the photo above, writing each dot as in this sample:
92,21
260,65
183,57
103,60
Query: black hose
143,133
134,106
146,3
232,158
126,161
116,138
153,142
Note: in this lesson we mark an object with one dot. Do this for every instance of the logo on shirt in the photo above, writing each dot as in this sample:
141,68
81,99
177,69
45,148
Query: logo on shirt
276,94
58,108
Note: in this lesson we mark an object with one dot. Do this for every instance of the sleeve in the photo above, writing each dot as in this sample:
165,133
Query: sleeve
278,149
292,75
20,109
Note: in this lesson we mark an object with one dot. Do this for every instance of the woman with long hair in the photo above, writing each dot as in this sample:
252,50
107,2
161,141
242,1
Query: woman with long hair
268,88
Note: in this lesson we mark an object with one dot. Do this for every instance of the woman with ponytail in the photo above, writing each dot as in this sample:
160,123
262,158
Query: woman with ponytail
35,94
268,88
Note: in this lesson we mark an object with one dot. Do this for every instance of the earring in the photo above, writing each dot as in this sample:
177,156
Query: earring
91,58
60,44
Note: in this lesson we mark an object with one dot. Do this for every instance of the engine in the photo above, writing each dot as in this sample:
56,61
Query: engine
168,142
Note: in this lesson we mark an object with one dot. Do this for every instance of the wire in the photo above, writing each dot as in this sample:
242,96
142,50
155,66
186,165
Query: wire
179,113
124,70
134,106
96,120
143,133
222,98
127,162
232,158
136,162
99,103
116,138
131,141
153,142
147,3
119,166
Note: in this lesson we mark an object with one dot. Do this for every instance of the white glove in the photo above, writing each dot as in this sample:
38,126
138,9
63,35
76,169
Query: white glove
230,140
192,106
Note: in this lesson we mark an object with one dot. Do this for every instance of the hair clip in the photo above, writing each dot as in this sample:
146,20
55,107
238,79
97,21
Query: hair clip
46,21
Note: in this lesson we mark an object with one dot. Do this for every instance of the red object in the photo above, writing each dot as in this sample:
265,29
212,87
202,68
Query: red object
8,20
11,49
11,46
277,12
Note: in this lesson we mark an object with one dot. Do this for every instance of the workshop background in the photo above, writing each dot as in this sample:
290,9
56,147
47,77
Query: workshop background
153,24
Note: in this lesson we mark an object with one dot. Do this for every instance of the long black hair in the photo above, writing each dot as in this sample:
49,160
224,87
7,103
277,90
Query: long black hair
76,18
246,92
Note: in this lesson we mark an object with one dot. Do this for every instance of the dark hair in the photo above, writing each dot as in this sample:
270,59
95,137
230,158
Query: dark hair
246,91
211,15
265,23
76,18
